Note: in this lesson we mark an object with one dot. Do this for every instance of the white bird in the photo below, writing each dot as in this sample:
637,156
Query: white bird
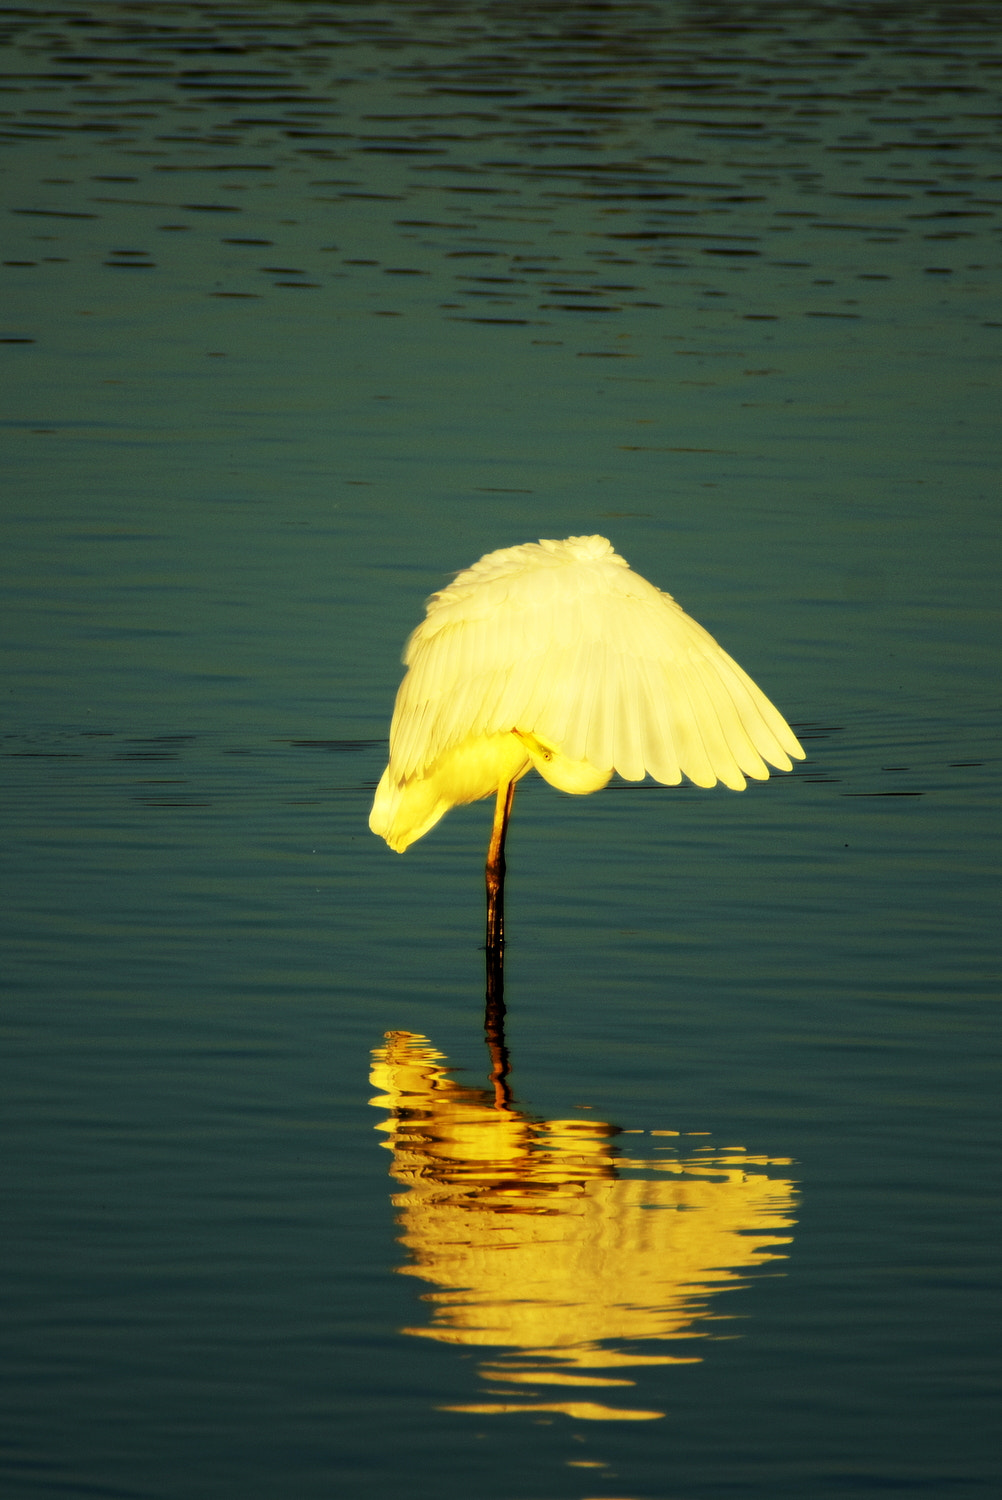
556,655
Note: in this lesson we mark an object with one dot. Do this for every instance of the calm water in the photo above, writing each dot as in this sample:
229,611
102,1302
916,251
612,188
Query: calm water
305,306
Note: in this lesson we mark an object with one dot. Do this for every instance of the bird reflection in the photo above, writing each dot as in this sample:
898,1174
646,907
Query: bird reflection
552,1243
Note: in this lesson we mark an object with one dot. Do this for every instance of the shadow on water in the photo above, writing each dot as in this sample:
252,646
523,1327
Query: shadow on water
549,1244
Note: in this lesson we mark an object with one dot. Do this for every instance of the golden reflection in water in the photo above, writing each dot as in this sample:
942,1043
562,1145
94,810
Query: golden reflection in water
549,1239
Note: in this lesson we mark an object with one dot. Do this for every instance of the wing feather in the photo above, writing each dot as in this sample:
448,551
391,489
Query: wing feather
628,752
765,725
735,712
578,705
686,727
754,717
562,641
660,754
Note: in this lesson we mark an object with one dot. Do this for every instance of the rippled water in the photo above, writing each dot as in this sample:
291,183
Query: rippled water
306,306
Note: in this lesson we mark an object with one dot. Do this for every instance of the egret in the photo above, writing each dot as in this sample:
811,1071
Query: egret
557,656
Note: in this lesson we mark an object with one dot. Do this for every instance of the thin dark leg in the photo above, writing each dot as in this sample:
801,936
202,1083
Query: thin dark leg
494,1033
495,870
494,1018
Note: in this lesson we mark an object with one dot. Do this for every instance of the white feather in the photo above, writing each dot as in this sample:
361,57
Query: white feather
556,655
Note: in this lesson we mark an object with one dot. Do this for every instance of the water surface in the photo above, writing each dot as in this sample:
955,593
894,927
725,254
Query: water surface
306,306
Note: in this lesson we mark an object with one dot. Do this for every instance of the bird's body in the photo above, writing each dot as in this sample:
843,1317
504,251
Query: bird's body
555,655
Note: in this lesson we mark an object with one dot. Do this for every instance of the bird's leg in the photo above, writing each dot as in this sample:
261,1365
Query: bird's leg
494,1033
495,870
494,1018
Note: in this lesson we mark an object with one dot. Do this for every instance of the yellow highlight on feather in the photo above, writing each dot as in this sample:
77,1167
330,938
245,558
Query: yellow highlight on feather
557,656
576,776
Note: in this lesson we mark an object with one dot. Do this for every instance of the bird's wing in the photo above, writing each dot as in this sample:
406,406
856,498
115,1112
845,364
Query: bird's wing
588,656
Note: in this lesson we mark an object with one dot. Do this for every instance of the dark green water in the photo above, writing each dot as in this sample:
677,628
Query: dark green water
304,307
